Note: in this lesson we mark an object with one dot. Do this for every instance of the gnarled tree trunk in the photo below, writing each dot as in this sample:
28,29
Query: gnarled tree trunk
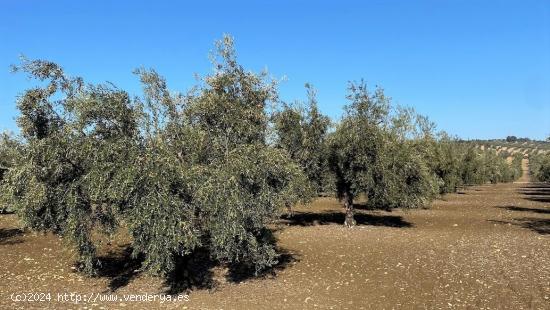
348,206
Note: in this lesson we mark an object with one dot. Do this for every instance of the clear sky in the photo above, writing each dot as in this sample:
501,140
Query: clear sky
479,69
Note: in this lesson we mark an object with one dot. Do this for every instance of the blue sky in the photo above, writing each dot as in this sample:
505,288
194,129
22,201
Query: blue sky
479,69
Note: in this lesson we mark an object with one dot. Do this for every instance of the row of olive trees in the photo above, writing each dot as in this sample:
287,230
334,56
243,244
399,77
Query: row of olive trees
210,169
539,167
386,153
179,172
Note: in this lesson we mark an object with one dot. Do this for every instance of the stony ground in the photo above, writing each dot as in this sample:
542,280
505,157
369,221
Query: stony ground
487,247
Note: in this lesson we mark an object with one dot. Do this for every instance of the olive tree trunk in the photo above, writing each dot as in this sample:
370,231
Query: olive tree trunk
289,211
348,206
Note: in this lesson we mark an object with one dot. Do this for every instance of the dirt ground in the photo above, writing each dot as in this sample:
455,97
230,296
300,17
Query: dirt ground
487,247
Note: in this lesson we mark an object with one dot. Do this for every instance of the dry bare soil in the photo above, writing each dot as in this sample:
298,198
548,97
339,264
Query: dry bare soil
487,247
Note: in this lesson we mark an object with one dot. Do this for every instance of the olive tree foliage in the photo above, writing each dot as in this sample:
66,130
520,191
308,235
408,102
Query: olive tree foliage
407,180
246,181
516,167
10,149
356,146
482,166
371,153
539,167
302,132
70,175
447,163
163,219
472,167
543,174
179,172
501,167
222,182
454,163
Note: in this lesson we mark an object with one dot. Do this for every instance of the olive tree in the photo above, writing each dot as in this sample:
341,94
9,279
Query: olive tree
403,178
77,140
357,145
246,181
409,152
220,182
380,151
447,163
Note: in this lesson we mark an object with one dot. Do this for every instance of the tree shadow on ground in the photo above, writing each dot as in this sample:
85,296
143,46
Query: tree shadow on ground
540,188
539,225
545,199
537,193
119,267
242,272
193,271
10,236
197,271
542,226
333,217
523,209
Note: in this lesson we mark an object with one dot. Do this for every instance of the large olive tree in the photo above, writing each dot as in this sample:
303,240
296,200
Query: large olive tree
220,183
